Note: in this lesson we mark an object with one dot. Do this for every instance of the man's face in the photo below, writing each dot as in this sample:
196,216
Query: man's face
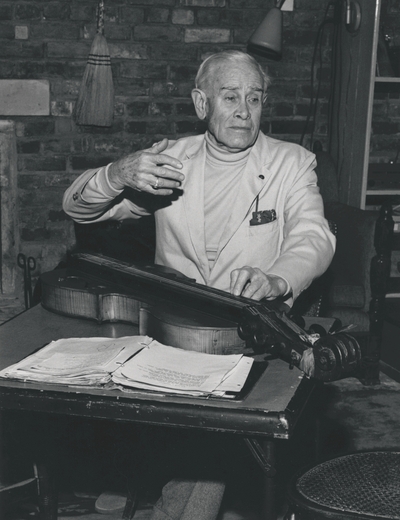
234,104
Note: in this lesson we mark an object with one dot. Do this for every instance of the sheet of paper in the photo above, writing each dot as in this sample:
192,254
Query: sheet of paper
77,360
135,362
170,369
235,381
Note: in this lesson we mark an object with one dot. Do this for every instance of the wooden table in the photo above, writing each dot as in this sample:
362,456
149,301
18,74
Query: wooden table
269,411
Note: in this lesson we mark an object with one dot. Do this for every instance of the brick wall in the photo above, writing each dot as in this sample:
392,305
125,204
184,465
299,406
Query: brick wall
155,47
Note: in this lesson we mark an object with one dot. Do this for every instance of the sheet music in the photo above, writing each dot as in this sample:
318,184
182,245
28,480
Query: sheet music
77,361
135,362
168,369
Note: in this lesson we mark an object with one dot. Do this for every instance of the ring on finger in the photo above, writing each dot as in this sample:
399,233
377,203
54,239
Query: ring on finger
155,187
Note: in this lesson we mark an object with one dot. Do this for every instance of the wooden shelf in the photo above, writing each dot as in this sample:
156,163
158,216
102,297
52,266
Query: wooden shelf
387,79
356,89
383,192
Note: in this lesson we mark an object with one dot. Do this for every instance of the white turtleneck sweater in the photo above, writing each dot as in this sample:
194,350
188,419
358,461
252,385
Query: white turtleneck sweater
223,172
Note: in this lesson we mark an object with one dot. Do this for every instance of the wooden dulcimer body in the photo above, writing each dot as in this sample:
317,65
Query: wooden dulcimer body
102,288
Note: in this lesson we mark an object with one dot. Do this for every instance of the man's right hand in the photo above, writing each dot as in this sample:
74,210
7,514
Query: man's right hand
147,170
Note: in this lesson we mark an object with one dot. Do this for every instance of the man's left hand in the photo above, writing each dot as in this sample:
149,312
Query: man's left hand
251,282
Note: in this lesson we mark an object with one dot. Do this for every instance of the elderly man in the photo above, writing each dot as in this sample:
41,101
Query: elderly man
240,211
234,209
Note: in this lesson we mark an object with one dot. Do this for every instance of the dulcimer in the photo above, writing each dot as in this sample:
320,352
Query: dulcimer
106,289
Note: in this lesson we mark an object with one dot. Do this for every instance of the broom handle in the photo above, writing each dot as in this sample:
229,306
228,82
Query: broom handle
100,17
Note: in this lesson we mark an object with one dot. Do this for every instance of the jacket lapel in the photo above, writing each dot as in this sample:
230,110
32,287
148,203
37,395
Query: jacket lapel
251,184
193,201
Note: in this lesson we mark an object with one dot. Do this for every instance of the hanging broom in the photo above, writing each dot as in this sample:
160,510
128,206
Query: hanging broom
95,105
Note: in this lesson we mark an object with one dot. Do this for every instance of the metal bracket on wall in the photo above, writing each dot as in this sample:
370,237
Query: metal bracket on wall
353,16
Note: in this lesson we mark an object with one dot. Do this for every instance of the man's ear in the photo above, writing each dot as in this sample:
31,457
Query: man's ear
200,103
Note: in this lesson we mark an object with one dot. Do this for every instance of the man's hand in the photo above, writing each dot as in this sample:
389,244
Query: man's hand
147,170
251,282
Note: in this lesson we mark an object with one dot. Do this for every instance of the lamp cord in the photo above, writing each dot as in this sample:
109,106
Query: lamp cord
314,103
335,59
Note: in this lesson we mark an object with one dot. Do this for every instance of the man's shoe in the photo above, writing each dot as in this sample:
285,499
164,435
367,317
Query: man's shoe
110,502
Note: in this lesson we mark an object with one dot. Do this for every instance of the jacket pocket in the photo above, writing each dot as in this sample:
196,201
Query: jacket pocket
263,229
262,245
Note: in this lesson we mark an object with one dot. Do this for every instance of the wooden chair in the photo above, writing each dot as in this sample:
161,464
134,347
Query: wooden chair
354,287
128,241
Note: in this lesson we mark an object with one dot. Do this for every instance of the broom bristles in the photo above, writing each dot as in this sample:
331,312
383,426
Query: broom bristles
95,105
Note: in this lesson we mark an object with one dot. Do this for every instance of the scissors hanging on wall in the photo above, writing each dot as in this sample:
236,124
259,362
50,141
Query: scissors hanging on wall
28,264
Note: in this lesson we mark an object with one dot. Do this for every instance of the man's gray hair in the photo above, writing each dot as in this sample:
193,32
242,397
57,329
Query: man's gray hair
234,56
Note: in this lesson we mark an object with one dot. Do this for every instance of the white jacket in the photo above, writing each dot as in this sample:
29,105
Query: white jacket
298,245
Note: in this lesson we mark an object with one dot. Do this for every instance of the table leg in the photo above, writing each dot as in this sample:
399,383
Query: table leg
47,492
265,457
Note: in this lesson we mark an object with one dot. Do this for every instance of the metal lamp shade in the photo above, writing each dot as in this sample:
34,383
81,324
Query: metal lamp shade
267,38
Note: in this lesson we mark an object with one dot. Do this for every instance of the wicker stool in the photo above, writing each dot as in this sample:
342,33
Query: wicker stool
362,486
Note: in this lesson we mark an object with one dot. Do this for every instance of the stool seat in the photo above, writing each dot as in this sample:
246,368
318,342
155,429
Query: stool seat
360,486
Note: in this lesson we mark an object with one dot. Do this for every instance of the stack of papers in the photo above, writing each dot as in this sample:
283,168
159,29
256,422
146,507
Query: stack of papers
76,361
136,362
172,370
